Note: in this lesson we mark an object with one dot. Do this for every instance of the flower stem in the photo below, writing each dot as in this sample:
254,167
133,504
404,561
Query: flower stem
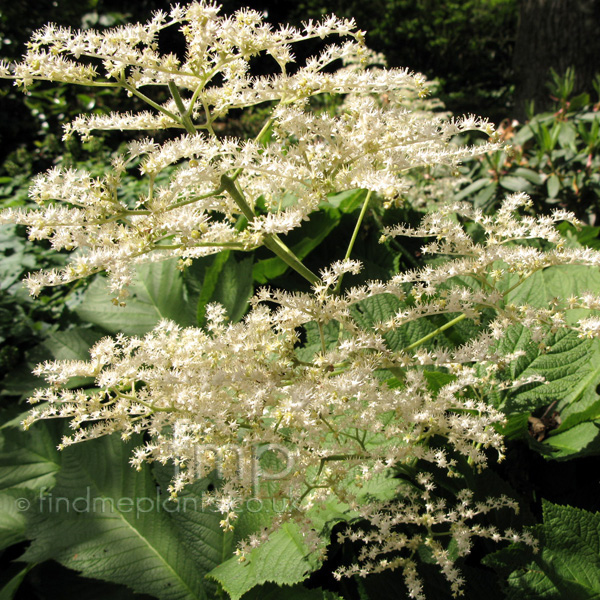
322,336
185,117
145,98
436,332
357,227
272,242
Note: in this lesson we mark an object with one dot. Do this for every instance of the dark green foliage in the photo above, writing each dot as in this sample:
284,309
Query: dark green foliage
24,322
465,44
553,157
567,564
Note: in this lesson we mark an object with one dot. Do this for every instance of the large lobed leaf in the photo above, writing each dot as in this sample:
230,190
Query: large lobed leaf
570,365
157,293
109,522
283,559
160,291
28,460
568,563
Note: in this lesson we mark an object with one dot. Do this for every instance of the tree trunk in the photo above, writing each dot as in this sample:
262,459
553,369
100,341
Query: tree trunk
555,34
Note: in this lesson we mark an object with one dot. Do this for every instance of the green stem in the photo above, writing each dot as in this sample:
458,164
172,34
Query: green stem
136,400
147,100
334,457
434,333
229,186
322,336
264,129
195,95
185,117
330,427
309,489
226,553
272,242
516,285
216,192
470,460
357,227
209,120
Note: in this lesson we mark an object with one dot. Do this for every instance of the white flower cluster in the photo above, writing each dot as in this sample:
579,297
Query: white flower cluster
421,508
494,267
203,395
332,423
274,185
325,425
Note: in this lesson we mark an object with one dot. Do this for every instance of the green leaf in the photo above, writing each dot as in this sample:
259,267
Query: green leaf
560,281
581,440
283,559
11,587
586,236
570,365
516,184
485,195
553,185
530,584
532,176
29,459
569,354
109,522
209,284
222,279
591,413
13,508
551,136
472,188
516,426
381,487
436,380
157,293
234,287
347,201
567,135
72,344
88,102
378,309
571,368
568,564
513,557
579,101
21,381
196,525
313,339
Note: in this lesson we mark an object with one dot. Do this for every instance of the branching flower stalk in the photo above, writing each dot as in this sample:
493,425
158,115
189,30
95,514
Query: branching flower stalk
309,155
331,421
